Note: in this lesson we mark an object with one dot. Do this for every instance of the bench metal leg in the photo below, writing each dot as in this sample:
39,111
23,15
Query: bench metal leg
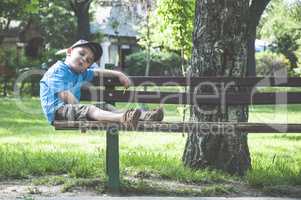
112,161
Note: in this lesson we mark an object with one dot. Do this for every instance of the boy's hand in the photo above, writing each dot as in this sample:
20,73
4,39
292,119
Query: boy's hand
67,97
124,79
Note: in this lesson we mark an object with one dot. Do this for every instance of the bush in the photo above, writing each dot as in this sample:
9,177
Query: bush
162,63
271,64
11,66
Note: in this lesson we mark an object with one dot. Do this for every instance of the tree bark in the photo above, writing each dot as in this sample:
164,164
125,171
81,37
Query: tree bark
256,9
220,43
81,10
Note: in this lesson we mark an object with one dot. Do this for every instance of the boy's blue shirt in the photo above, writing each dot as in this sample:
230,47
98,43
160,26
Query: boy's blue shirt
60,77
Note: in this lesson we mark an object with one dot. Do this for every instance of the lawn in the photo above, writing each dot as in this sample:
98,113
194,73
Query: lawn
29,147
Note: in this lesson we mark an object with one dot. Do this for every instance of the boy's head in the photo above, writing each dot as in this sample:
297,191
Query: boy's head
82,54
95,48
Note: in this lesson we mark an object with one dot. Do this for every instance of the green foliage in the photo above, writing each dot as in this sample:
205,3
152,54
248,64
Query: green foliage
287,45
32,7
278,19
281,25
55,19
96,37
18,63
161,63
171,26
9,58
58,22
177,18
15,10
295,8
271,64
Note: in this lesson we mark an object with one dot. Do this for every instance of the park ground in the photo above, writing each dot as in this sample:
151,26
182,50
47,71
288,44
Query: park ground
38,161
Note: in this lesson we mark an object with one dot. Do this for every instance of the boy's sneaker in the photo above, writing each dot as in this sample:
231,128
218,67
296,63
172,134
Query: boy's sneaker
131,117
154,115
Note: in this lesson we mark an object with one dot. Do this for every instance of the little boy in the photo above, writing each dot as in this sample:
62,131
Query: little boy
60,88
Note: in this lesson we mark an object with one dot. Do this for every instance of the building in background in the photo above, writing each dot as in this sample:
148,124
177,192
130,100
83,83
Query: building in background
119,21
261,45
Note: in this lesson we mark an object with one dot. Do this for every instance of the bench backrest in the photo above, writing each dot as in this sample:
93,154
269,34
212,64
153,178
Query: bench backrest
215,90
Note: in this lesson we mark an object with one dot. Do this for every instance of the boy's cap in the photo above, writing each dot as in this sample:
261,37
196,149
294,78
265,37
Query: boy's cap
95,47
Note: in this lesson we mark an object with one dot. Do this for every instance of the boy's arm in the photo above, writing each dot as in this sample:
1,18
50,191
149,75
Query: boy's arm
67,97
124,79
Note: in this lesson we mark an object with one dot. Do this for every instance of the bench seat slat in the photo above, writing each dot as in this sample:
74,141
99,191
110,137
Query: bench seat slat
224,127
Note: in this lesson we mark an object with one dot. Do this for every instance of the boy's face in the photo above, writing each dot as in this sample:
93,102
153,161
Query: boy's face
80,58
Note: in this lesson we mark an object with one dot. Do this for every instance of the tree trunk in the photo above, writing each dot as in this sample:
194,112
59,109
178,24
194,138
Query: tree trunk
81,10
256,9
219,49
5,86
251,69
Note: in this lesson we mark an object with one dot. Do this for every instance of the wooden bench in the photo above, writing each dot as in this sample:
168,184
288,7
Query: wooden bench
218,92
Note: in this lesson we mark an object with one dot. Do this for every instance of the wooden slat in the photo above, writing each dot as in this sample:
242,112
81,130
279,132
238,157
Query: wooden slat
188,98
200,127
264,98
183,81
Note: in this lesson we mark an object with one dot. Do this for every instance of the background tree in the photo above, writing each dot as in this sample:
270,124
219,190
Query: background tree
281,26
58,23
68,20
54,18
81,11
176,24
63,22
287,45
256,10
171,24
174,19
11,10
220,48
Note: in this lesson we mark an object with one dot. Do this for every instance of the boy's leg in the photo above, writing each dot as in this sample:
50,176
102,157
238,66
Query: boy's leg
129,117
151,115
98,114
75,112
108,107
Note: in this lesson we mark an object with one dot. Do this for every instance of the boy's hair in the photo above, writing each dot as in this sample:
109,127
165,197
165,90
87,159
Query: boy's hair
95,48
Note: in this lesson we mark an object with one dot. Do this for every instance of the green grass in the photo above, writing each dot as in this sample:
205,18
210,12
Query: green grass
276,160
29,146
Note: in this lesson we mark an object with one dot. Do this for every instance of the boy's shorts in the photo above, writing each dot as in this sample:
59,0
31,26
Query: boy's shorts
72,112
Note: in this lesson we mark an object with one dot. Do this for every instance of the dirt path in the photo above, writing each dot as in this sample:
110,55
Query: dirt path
25,190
